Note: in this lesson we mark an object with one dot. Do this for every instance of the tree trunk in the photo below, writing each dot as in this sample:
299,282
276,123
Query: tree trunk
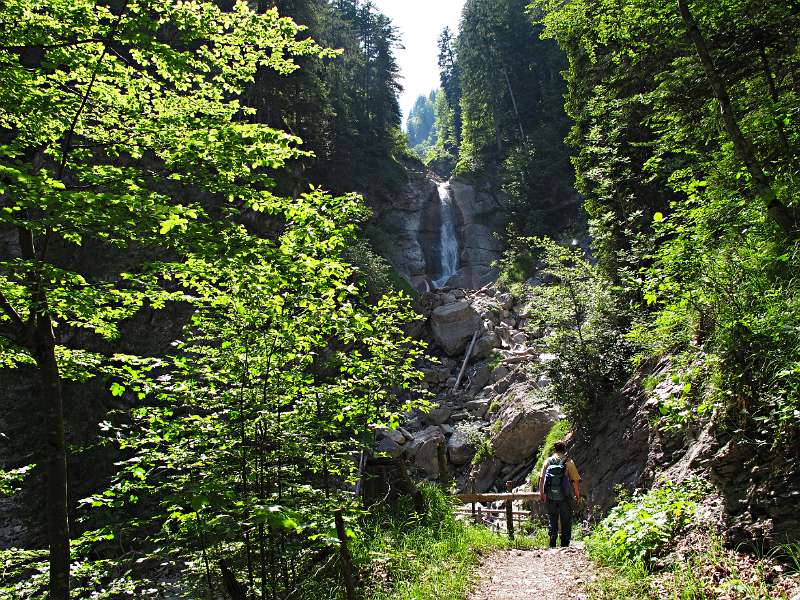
522,137
742,146
57,504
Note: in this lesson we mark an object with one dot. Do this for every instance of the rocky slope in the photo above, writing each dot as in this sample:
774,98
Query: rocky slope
626,443
493,420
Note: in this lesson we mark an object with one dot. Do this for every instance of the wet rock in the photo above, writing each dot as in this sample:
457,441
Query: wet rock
453,326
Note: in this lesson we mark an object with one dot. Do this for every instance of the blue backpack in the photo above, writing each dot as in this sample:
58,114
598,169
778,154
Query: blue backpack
556,482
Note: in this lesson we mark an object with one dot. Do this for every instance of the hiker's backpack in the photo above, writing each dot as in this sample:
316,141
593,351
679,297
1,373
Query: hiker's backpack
556,481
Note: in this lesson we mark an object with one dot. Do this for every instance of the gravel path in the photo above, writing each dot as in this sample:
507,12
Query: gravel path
540,574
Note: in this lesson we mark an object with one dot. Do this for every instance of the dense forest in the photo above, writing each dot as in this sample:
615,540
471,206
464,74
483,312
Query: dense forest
499,115
199,347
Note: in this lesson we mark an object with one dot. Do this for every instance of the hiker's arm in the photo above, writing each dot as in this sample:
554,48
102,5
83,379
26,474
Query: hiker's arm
576,487
541,484
575,478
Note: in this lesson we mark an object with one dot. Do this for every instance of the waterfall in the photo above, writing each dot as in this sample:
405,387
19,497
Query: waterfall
448,242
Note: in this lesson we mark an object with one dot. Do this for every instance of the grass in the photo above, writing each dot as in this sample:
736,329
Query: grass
432,559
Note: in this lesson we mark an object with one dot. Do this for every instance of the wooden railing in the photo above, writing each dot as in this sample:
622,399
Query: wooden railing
508,497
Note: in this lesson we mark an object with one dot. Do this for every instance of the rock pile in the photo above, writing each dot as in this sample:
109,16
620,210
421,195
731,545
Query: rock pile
493,420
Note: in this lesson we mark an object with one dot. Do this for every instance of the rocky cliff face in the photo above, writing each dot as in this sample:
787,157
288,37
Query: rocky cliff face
626,444
410,231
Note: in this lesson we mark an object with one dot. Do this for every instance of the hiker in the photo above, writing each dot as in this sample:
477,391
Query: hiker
558,484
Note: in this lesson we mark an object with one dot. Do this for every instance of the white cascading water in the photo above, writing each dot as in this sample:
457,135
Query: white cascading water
448,243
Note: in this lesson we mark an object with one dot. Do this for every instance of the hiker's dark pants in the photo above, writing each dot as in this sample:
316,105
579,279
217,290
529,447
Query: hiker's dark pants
560,509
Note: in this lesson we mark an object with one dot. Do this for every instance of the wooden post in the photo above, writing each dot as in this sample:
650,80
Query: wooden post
472,491
441,458
510,511
347,560
480,514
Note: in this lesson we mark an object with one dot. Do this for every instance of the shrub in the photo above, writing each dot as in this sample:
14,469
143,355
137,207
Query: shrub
588,326
642,528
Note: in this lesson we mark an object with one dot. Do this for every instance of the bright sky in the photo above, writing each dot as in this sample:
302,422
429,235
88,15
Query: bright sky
420,23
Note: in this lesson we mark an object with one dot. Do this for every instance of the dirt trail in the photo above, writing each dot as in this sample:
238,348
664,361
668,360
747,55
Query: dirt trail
540,574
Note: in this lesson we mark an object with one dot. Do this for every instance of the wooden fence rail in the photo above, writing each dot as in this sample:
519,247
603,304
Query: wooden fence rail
508,497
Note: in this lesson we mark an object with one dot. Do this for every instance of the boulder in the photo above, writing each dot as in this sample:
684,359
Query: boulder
485,474
406,433
479,378
477,408
437,416
519,339
459,416
422,450
506,301
525,422
390,447
396,435
453,326
486,345
500,373
501,387
460,448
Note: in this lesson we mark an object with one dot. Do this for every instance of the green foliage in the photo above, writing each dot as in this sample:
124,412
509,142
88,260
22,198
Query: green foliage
709,570
641,529
677,221
510,100
10,480
579,308
485,449
378,276
430,560
137,174
420,126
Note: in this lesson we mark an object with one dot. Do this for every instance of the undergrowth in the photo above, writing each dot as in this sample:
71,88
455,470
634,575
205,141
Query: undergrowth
643,550
427,559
